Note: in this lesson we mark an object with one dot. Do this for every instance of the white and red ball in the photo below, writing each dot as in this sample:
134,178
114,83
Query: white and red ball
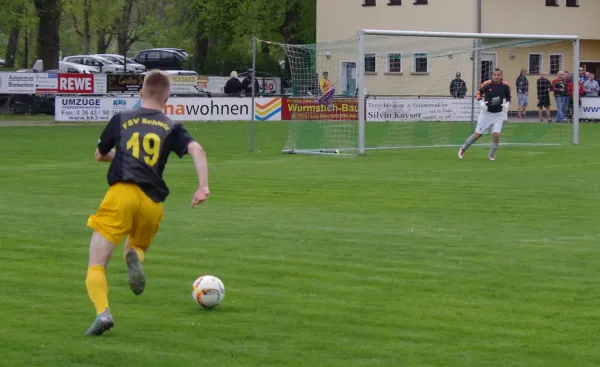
208,291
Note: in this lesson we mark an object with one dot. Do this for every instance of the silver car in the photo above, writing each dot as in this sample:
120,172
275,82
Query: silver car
104,65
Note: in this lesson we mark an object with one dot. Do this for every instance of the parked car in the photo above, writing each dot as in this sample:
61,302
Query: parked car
33,103
67,67
132,66
162,59
104,65
178,50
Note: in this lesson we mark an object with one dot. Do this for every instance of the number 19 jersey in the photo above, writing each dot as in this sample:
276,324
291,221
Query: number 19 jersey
143,139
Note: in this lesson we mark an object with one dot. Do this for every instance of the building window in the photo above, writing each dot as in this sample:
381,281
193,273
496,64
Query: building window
370,63
420,2
420,63
369,2
551,2
535,63
572,3
394,2
394,62
556,64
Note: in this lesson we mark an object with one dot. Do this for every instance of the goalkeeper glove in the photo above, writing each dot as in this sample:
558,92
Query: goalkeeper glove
482,103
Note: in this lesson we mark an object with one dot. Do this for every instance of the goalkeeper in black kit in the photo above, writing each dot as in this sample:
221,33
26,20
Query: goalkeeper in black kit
494,98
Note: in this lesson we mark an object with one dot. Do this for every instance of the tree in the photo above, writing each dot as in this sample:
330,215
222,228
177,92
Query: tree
80,12
49,13
291,21
136,21
11,46
104,37
299,22
16,17
91,21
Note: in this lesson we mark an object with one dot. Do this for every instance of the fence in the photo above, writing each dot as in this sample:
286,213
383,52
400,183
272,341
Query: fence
96,97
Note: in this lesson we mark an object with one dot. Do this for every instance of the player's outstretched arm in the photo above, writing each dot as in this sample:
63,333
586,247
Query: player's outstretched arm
105,158
199,156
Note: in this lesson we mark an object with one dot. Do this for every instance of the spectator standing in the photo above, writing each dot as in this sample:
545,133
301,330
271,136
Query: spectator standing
247,84
582,76
233,85
562,98
522,94
591,87
543,91
458,87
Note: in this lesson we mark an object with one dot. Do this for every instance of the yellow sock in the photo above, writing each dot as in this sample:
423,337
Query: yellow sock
97,287
140,253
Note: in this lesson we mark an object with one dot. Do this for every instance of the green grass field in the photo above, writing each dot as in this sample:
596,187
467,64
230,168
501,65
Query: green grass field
398,258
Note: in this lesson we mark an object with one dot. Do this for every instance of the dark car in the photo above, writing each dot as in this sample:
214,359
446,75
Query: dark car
33,103
162,59
3,99
178,50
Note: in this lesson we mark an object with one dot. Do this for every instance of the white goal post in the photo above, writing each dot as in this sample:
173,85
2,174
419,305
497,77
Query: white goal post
362,33
388,89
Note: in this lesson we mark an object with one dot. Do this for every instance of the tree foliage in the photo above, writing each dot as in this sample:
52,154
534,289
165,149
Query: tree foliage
49,13
218,33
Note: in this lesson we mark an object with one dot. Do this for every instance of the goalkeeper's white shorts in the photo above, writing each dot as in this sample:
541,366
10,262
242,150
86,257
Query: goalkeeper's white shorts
489,120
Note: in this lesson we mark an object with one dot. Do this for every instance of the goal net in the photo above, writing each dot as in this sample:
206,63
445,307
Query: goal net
419,90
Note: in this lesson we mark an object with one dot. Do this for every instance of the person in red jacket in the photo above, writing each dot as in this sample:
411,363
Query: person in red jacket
571,91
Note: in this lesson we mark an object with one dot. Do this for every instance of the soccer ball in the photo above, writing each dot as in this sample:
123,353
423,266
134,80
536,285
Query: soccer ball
208,291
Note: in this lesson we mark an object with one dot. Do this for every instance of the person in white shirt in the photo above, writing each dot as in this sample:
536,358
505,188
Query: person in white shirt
591,86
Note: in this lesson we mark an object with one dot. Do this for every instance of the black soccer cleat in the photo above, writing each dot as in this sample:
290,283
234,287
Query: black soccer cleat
137,280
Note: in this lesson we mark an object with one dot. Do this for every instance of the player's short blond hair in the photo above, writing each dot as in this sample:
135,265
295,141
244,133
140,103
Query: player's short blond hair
157,85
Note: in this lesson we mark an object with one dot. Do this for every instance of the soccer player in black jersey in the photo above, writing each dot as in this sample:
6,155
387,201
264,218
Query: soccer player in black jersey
494,98
133,205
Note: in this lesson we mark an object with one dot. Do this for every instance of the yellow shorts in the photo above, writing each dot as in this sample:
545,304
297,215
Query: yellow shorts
127,210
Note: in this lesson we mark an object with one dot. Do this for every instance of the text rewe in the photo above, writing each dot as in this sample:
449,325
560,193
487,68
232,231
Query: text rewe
81,84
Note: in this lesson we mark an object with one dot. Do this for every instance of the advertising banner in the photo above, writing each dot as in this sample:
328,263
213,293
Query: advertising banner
590,108
73,108
420,109
184,84
178,109
65,83
17,83
45,82
124,83
308,109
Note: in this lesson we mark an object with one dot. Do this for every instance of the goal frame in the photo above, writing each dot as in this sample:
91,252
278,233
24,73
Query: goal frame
360,66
